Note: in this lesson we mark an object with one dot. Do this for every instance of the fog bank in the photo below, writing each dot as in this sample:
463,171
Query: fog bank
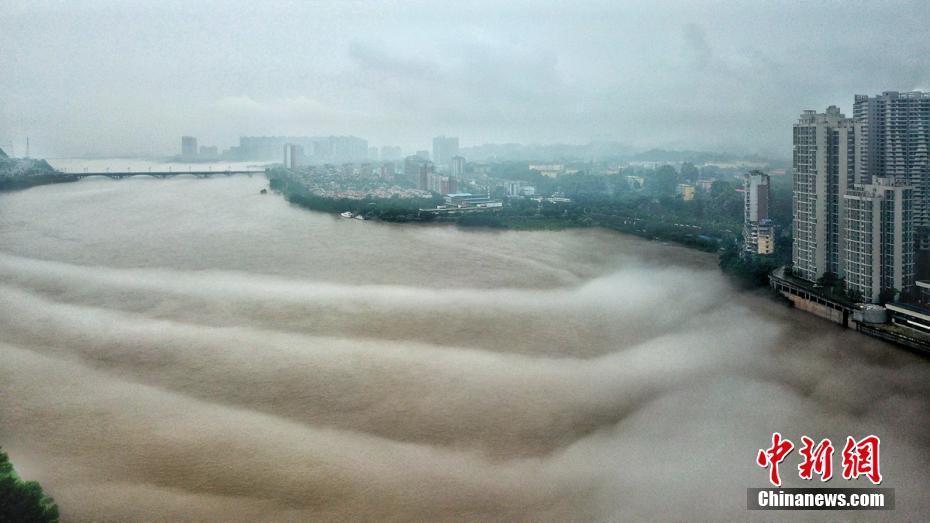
594,377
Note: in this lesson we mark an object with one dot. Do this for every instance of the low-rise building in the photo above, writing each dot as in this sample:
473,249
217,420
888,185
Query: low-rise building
549,170
471,200
636,182
686,191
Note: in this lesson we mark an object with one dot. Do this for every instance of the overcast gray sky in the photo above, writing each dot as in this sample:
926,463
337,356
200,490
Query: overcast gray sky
102,77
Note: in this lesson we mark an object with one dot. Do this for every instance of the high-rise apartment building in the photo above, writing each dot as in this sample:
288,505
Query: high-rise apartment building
188,147
448,185
209,152
824,162
895,141
758,230
428,180
458,166
387,170
412,166
444,149
857,198
390,153
348,148
292,155
879,231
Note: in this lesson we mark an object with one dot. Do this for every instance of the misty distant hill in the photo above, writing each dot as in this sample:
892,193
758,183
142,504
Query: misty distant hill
597,151
22,173
24,167
696,157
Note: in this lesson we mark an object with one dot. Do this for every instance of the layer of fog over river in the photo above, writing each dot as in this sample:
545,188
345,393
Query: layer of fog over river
190,349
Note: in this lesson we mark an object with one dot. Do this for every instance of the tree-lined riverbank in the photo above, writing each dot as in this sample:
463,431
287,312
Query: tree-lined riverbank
712,222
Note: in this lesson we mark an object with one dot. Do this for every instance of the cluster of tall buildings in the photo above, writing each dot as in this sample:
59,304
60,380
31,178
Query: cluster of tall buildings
862,192
457,168
293,155
190,150
391,153
444,149
439,172
422,173
318,149
305,150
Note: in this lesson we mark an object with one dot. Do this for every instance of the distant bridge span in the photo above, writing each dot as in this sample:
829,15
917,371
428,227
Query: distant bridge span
116,175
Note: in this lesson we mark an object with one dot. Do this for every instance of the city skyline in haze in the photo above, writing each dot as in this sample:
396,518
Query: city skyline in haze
106,78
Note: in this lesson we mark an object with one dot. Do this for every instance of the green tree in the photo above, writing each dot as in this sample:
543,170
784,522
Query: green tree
854,296
886,295
663,181
23,501
689,172
751,271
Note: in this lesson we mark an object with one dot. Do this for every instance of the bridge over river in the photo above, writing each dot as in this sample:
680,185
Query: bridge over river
116,175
